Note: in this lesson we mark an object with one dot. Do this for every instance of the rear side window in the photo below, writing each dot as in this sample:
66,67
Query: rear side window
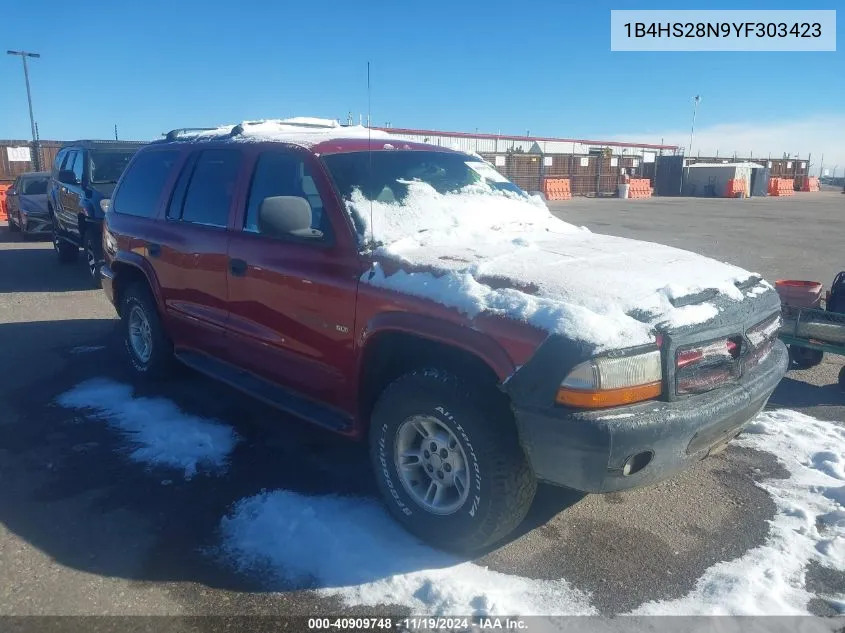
34,186
141,186
210,188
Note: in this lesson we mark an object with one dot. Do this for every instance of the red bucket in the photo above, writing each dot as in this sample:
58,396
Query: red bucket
799,294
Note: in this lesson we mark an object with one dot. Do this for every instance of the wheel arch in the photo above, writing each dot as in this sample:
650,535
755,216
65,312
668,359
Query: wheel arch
398,343
130,268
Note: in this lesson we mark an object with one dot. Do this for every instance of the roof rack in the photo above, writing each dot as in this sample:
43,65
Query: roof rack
172,135
93,141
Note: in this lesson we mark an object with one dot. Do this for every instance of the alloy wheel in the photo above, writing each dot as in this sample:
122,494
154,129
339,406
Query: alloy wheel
432,464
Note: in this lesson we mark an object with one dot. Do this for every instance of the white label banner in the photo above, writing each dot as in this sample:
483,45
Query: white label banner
19,154
723,30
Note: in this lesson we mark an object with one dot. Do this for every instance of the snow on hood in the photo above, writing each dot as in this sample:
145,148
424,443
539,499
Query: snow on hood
484,250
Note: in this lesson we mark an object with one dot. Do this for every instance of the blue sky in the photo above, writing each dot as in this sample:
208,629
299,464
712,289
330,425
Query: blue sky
540,65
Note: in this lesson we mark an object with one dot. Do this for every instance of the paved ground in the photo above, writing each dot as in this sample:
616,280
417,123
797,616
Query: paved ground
84,531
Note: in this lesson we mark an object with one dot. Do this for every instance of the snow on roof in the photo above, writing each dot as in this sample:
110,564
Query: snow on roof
304,131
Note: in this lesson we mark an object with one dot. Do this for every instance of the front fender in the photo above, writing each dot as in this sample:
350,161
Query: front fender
474,342
128,259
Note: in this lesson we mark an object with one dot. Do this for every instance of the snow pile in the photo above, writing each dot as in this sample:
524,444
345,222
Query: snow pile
349,547
303,131
158,432
485,250
809,526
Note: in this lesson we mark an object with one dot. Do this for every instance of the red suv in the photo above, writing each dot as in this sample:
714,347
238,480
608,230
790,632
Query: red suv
411,295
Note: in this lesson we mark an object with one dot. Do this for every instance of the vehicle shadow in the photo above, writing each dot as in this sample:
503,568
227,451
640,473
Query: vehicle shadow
71,490
797,393
35,268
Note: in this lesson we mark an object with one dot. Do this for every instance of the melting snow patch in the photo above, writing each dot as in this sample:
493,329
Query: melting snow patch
158,432
87,349
809,525
350,548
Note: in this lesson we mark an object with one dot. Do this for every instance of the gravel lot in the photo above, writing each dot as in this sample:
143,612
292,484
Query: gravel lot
83,530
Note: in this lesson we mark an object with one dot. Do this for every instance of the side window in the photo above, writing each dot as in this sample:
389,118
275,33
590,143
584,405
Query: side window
60,158
77,165
70,156
142,183
210,188
279,173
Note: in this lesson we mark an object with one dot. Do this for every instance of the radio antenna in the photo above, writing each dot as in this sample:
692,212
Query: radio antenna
370,153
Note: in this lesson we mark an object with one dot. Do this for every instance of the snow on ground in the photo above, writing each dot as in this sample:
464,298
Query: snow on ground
350,548
159,434
809,525
482,249
87,349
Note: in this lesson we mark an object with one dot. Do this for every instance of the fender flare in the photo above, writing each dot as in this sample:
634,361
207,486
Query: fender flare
134,260
466,339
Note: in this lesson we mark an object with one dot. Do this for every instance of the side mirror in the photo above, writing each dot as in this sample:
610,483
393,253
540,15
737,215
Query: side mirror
286,215
67,177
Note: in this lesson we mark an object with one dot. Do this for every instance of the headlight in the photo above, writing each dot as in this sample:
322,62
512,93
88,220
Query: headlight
612,381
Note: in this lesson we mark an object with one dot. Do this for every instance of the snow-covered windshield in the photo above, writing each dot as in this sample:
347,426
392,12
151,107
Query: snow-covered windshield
403,192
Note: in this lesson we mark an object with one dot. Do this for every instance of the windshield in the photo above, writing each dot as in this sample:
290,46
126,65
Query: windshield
33,186
107,165
385,175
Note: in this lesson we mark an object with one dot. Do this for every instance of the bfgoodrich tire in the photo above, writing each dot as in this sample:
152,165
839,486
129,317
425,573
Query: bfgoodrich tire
148,348
448,461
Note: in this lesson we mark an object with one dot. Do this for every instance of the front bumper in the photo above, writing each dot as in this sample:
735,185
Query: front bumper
589,450
35,223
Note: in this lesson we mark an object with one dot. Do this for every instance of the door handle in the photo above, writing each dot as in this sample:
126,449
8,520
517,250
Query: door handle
237,267
154,250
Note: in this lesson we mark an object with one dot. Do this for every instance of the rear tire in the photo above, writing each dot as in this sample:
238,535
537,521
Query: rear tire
804,357
66,252
13,228
147,345
475,435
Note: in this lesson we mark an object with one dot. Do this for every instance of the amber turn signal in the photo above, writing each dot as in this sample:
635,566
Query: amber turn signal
597,399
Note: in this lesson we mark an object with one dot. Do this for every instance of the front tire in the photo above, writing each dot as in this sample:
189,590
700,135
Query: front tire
13,228
448,461
93,255
148,348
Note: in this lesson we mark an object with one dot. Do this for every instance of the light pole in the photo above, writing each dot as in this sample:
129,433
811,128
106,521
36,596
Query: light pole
695,100
36,159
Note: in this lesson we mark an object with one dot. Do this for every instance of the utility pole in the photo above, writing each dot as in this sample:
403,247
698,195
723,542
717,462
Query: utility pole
115,131
695,101
36,159
821,168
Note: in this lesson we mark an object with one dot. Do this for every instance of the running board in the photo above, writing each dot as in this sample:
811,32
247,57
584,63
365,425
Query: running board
267,392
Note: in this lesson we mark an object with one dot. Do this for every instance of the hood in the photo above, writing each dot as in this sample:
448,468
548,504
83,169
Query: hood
105,189
36,203
607,291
